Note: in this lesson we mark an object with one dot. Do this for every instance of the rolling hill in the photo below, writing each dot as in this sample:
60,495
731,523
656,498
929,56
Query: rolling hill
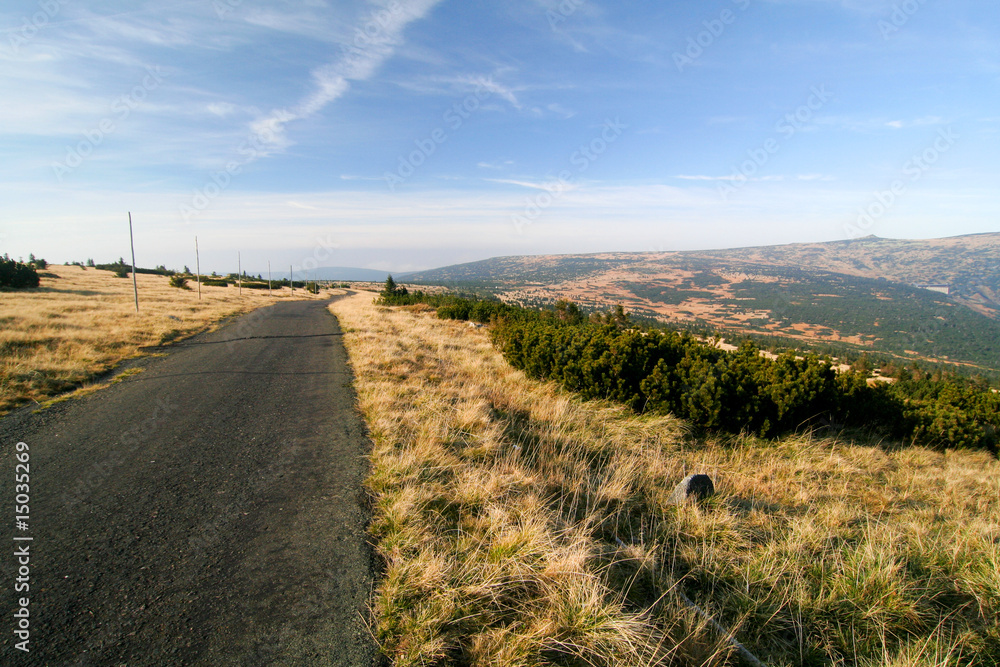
936,299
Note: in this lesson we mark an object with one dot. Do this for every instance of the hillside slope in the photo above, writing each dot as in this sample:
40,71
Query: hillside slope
520,525
968,265
861,294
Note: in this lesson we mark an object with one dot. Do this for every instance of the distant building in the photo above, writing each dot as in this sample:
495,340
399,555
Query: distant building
943,289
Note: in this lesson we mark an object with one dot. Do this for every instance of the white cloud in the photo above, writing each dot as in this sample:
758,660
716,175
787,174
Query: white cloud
375,41
490,85
548,186
699,177
221,109
560,110
868,124
494,165
916,122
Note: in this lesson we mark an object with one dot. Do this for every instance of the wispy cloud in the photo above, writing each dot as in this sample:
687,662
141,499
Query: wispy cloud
375,41
700,177
494,165
740,177
221,109
915,122
548,186
876,124
491,86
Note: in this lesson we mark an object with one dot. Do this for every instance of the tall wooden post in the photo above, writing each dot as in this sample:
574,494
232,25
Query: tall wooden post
197,265
269,277
291,278
239,272
131,240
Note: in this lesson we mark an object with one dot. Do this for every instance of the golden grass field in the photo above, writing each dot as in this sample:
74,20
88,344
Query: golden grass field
521,526
81,322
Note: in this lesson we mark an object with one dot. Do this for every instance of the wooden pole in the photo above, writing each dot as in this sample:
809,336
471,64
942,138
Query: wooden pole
269,277
197,265
131,240
239,272
291,278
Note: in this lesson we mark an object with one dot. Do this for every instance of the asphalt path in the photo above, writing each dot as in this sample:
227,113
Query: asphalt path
207,510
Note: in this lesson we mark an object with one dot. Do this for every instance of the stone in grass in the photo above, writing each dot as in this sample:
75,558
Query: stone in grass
696,487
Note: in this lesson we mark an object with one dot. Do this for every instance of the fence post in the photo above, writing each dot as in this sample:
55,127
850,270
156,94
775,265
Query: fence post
197,265
131,240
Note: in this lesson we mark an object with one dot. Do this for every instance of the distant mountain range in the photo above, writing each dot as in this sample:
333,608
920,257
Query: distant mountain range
936,298
967,268
346,273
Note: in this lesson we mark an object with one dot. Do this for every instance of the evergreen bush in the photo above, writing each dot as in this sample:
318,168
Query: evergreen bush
17,275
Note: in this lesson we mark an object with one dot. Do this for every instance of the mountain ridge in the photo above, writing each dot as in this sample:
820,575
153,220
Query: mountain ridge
976,283
914,299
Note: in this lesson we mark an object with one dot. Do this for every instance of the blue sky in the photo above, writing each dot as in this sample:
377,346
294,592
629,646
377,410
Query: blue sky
407,134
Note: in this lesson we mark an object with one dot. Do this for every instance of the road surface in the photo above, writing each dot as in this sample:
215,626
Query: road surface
205,511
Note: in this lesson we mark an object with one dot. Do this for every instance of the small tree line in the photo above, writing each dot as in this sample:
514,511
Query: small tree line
606,356
17,274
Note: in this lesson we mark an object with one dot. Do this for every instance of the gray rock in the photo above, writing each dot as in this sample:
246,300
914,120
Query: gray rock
697,487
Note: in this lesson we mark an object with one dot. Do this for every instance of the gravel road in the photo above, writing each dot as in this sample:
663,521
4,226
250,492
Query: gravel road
205,511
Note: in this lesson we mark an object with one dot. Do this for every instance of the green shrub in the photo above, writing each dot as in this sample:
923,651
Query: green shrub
16,275
393,290
179,281
674,372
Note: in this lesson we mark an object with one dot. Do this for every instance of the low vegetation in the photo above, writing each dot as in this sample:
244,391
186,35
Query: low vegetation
17,275
522,525
179,282
81,322
672,372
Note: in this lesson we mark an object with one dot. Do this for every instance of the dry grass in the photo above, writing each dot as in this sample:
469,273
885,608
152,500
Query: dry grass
79,323
521,526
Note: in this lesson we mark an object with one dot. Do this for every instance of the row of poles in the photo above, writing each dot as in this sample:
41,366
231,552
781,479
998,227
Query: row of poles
197,265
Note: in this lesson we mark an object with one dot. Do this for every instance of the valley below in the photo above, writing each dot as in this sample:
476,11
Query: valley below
934,301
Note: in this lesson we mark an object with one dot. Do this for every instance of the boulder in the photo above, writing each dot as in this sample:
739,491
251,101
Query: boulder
696,487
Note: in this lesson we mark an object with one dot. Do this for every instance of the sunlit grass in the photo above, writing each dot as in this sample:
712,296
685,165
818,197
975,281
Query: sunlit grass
81,322
521,526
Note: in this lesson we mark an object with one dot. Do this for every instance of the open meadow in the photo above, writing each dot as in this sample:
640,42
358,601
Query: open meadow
81,322
519,525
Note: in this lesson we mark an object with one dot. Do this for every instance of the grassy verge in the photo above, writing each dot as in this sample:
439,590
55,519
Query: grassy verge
79,323
521,526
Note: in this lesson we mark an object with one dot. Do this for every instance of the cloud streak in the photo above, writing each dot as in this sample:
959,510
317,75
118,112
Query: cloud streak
375,40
